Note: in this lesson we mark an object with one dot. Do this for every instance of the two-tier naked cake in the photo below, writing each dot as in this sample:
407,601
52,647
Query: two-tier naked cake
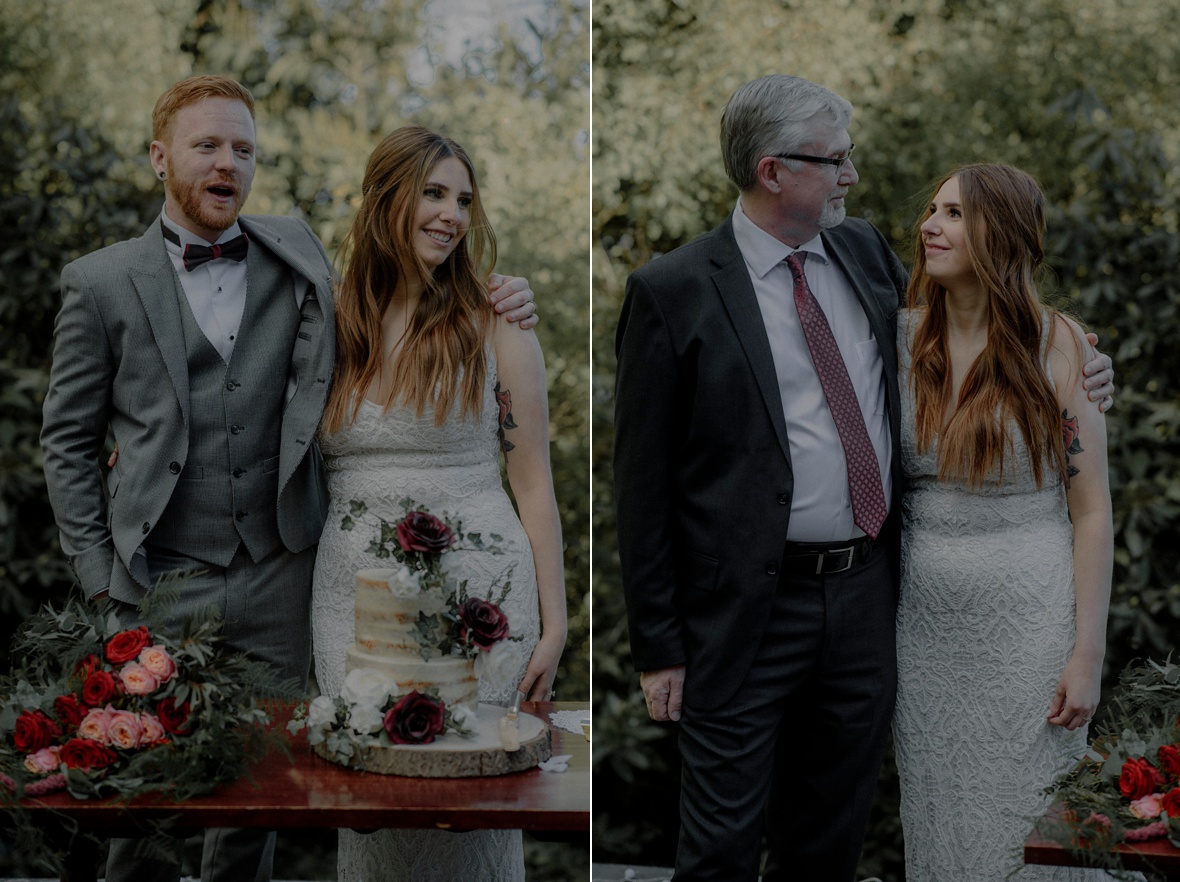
389,642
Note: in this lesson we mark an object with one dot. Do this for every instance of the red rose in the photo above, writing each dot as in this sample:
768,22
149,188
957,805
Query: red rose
1171,803
126,645
419,531
80,753
34,730
173,717
69,710
415,719
1139,778
484,621
1170,760
99,688
87,666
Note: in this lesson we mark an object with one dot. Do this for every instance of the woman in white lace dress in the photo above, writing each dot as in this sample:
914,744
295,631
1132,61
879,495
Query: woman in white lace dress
1006,550
430,386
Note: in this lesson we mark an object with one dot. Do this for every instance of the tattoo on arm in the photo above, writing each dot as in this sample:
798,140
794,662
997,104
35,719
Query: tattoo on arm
504,400
1073,445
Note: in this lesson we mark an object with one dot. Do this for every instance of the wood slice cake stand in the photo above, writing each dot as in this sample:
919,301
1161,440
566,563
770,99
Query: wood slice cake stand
454,756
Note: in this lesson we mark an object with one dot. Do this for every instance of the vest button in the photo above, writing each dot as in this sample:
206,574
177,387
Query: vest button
231,385
146,528
772,569
784,499
235,429
239,472
174,467
241,515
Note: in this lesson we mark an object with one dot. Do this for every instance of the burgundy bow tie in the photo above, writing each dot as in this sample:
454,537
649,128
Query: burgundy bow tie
195,255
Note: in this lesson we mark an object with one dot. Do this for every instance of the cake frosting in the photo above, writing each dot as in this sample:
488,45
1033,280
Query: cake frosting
387,641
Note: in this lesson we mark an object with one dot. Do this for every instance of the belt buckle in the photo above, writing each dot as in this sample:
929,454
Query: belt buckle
819,564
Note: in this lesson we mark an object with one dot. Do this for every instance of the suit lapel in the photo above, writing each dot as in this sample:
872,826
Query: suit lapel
154,280
884,330
732,279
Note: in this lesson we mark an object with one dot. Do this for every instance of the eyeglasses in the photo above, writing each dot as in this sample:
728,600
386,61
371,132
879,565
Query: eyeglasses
823,160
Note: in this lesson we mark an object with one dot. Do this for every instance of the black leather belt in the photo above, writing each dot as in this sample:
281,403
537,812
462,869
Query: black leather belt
822,558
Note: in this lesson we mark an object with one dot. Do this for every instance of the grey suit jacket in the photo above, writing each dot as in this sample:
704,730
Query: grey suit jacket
119,361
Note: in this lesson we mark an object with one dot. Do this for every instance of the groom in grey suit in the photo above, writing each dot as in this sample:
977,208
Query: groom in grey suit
207,345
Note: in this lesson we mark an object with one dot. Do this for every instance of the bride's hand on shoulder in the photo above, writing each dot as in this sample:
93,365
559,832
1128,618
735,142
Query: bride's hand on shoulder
537,684
1077,694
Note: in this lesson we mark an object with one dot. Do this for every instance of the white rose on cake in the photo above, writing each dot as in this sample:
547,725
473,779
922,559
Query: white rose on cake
404,583
321,713
365,719
501,663
366,686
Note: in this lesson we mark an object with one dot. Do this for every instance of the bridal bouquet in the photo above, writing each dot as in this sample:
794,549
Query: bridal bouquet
101,711
420,547
1127,786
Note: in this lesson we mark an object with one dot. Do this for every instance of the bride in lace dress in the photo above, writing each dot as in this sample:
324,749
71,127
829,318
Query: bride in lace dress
429,387
1006,545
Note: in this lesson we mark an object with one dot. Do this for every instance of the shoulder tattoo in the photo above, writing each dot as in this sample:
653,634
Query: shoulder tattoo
504,400
1072,442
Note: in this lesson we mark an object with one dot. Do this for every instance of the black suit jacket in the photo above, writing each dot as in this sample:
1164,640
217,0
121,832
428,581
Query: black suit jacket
703,477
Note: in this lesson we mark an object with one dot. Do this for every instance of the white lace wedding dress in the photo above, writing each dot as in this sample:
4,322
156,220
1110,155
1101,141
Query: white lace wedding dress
452,469
985,627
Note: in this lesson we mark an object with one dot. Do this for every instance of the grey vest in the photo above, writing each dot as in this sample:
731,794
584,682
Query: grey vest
227,492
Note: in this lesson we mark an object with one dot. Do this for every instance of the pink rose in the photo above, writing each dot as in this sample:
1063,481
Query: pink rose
1148,806
138,680
43,761
125,729
153,730
158,662
96,725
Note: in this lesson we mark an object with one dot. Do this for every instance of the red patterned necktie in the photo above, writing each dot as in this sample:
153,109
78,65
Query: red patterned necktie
864,475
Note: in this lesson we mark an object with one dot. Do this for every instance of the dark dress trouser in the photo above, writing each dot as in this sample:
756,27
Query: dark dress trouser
799,746
266,608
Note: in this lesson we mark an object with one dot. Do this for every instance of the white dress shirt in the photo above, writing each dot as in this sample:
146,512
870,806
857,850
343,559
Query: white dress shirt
215,290
821,508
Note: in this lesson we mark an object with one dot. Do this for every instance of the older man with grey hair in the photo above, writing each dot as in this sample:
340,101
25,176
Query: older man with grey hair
756,422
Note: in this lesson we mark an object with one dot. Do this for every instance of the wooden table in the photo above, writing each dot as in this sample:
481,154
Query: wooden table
312,792
1157,855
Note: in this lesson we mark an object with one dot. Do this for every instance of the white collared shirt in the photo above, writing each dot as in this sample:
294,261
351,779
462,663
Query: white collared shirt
215,290
821,509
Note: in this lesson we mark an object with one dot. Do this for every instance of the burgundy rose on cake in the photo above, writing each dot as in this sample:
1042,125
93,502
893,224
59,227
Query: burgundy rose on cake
107,711
369,712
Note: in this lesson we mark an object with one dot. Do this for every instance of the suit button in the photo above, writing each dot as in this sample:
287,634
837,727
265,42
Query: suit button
772,569
235,429
784,499
231,385
239,472
147,529
241,515
174,467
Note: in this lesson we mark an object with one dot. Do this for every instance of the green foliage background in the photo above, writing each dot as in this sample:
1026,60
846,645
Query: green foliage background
78,80
1078,92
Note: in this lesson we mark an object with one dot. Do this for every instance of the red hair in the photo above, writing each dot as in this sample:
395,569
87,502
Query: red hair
1004,216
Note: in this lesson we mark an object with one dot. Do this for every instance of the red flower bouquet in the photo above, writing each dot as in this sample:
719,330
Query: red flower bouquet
1127,786
102,711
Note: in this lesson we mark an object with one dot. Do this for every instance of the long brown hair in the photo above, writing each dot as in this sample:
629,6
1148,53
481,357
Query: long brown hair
442,359
1004,216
